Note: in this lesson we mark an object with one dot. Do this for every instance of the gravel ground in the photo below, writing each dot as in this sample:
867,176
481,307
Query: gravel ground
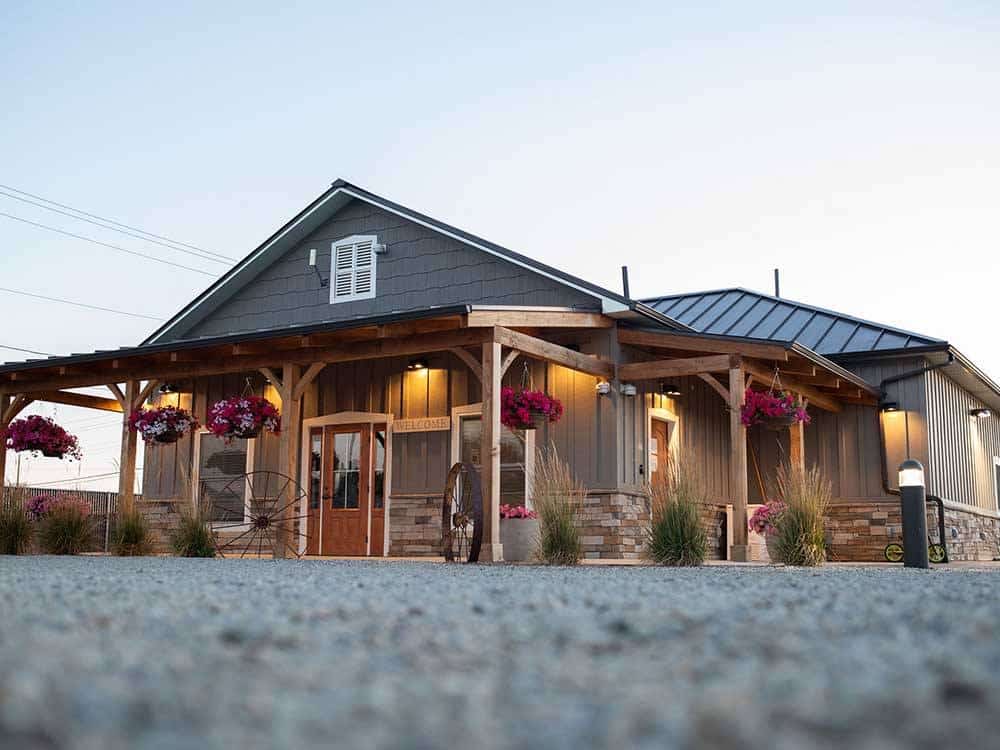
169,653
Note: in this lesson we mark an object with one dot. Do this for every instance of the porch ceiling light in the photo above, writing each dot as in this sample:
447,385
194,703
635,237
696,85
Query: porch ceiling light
628,389
889,406
603,388
168,388
980,413
670,389
416,364
911,473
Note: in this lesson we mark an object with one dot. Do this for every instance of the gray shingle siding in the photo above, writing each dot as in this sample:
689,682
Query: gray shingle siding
422,269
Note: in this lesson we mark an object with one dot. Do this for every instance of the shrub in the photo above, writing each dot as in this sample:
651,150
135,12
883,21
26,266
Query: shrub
66,528
557,494
193,537
16,529
799,537
131,537
675,535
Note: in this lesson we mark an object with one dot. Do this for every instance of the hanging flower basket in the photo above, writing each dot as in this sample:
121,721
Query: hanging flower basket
166,424
528,410
775,410
40,434
243,417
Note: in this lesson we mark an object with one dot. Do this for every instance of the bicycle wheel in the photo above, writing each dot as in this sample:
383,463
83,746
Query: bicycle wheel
936,553
894,552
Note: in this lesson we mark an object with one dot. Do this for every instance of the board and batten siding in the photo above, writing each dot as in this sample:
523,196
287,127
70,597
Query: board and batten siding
422,269
962,448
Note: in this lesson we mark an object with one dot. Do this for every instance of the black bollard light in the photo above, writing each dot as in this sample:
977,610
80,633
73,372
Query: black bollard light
913,498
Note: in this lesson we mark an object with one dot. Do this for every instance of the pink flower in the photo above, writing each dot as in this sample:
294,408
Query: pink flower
760,405
41,435
517,409
240,416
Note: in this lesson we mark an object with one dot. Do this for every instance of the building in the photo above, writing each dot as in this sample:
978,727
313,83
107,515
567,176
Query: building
385,337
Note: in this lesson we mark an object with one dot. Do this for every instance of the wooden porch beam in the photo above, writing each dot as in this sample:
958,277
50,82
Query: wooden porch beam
537,319
80,399
673,368
764,374
667,340
145,393
377,349
129,447
549,352
489,451
19,404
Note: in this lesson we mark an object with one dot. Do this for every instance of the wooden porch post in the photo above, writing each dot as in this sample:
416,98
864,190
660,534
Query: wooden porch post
797,446
489,453
126,467
4,404
291,426
738,460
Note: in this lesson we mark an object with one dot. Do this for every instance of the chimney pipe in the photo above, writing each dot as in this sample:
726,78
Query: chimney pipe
625,282
777,283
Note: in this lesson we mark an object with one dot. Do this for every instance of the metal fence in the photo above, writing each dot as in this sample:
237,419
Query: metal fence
103,506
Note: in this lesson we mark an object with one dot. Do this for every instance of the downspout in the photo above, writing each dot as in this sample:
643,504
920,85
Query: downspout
886,486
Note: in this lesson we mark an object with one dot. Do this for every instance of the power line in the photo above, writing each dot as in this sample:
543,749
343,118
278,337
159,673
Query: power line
115,229
26,351
78,304
106,244
116,223
81,479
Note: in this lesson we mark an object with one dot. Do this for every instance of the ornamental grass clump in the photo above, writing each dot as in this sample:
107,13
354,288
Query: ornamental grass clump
799,537
193,537
16,529
131,537
675,535
557,495
66,528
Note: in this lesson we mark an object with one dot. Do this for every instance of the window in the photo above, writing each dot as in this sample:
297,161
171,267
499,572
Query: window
217,469
996,480
353,273
346,470
517,450
378,501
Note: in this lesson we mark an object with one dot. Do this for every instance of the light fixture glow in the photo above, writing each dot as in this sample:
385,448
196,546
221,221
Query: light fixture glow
889,406
980,413
911,473
416,364
168,388
670,389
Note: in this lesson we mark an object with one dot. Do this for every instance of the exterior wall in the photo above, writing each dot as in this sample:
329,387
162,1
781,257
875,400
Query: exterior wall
859,531
962,448
422,269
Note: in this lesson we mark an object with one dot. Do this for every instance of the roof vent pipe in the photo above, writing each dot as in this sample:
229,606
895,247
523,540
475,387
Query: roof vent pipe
625,282
777,283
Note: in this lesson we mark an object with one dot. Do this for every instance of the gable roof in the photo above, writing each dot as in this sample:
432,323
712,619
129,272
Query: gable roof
339,194
749,314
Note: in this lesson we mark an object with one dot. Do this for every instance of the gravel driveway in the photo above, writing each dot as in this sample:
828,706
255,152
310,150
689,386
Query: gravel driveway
169,653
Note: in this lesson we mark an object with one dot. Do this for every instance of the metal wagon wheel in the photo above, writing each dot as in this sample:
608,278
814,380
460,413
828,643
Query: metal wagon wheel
269,495
462,514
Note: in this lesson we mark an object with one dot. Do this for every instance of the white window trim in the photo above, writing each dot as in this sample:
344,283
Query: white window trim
354,239
346,417
196,479
673,441
476,410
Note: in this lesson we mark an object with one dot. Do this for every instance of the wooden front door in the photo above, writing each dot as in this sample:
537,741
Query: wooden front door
346,489
659,449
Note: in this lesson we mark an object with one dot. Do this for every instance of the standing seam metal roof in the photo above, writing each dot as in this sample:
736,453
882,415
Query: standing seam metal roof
749,314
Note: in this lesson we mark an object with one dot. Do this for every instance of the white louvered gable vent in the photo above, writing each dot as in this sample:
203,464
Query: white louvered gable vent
353,270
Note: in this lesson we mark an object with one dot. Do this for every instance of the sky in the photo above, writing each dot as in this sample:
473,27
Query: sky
701,144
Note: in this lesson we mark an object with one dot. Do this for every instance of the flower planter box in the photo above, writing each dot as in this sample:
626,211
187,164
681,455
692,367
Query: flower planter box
519,537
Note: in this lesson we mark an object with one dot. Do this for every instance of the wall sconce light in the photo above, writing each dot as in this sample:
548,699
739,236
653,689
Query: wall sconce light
168,388
888,406
416,364
628,389
312,263
670,389
603,388
982,413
